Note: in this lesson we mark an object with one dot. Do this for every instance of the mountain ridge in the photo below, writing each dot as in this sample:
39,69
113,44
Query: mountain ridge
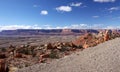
50,31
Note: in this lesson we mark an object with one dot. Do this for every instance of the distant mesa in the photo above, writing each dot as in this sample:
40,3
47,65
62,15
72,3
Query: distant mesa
47,31
52,31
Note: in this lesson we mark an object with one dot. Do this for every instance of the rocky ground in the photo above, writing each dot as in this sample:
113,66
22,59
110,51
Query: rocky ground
102,58
6,41
21,52
25,44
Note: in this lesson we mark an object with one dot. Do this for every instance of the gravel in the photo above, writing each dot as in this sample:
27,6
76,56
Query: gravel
104,57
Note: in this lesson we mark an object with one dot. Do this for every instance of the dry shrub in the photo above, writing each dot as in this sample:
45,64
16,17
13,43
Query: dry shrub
53,54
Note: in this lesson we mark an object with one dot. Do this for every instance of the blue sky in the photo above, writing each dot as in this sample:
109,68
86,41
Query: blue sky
47,14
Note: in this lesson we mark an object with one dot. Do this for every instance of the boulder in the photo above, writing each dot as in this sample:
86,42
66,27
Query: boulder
106,36
44,56
2,56
82,39
13,69
49,46
18,55
3,66
85,45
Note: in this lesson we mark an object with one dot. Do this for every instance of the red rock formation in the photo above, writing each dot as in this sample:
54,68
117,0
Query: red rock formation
3,66
42,57
106,36
99,40
82,39
49,46
85,45
18,55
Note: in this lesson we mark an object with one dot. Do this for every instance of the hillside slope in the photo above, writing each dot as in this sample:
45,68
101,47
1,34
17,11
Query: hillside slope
103,58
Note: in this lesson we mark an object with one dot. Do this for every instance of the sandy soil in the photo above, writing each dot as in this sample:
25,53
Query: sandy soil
6,41
103,58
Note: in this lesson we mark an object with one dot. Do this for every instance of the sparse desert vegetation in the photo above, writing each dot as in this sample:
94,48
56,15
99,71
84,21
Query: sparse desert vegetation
20,52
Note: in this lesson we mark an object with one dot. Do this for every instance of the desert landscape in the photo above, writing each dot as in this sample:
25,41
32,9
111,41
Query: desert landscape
59,35
103,58
21,51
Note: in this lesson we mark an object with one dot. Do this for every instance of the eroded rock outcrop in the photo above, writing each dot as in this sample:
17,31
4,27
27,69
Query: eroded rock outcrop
3,66
29,54
85,41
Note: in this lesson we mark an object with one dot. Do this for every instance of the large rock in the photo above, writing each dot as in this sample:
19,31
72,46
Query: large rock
85,45
2,56
3,66
82,39
13,69
107,35
18,55
49,46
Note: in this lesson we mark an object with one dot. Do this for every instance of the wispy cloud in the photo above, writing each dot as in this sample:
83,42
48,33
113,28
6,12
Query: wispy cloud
80,26
64,8
95,16
35,5
14,27
93,26
113,9
72,26
47,26
76,4
44,12
103,1
112,27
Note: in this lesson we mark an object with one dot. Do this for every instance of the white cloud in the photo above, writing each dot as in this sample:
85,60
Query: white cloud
114,8
112,27
44,12
58,27
88,26
76,4
36,5
92,26
80,26
64,8
72,26
95,16
14,27
47,26
101,1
